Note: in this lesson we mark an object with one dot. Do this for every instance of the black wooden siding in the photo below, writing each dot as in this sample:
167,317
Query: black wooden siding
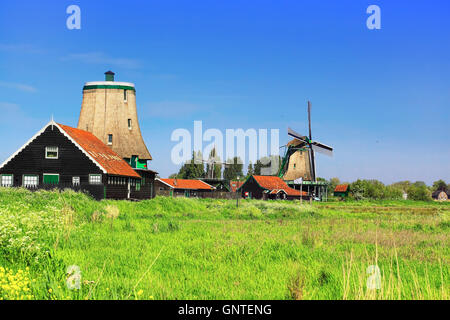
252,186
71,162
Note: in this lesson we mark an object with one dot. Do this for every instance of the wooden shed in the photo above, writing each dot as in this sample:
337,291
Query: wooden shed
341,190
182,187
269,187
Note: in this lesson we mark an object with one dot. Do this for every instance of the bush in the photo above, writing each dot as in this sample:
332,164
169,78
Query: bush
373,190
419,192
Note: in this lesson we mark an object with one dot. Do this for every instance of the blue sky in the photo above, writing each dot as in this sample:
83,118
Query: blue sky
381,98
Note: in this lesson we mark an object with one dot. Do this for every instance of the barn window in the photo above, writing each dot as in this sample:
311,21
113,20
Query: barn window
51,152
50,178
76,181
6,180
95,179
138,186
110,138
129,124
30,180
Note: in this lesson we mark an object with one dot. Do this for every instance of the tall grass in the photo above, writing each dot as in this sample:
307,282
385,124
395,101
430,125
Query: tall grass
209,249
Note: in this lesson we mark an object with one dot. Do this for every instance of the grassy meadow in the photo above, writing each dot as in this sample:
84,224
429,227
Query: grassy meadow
208,249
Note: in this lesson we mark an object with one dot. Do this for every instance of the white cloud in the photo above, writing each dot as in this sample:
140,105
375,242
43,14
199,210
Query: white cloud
101,58
18,86
19,48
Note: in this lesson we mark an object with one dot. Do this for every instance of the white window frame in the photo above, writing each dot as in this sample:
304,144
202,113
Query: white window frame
28,176
74,183
47,150
95,175
9,176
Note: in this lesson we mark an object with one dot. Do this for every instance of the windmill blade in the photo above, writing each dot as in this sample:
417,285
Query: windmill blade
309,119
312,164
322,148
296,135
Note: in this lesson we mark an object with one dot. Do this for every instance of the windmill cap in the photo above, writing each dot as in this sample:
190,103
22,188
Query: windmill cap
109,75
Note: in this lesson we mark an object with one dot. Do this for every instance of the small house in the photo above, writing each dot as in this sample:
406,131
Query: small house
60,156
269,187
341,190
183,188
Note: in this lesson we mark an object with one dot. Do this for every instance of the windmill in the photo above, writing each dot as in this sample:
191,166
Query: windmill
299,162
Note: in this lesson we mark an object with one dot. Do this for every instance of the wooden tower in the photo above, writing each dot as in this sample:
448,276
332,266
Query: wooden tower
109,111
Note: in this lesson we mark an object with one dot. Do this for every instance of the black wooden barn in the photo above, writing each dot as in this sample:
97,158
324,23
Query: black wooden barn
62,157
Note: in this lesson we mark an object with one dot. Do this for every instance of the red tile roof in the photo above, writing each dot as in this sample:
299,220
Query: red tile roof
187,184
341,188
101,153
235,184
275,183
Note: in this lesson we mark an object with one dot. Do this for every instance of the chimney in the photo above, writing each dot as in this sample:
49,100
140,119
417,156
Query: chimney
109,76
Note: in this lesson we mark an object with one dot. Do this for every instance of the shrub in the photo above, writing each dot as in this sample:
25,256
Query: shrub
373,190
419,192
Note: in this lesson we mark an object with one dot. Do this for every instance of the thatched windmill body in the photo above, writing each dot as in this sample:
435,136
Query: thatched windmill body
109,111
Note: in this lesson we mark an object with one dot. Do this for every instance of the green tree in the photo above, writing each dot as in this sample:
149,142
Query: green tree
374,190
402,185
233,169
419,192
193,168
439,185
250,169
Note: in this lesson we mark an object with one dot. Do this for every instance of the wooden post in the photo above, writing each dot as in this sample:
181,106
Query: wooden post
301,192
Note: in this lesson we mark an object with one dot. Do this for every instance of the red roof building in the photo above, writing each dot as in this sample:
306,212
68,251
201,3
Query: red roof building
269,187
341,190
182,187
59,156
192,184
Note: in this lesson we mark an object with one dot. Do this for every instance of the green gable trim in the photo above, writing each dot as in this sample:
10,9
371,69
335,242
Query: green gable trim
102,86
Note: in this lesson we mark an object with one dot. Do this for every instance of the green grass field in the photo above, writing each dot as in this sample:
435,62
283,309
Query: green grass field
208,249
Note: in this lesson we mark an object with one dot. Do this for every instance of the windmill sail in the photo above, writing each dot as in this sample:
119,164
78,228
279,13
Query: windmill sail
299,162
322,148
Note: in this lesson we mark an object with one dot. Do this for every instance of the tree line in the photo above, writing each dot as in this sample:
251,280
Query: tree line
376,190
197,168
